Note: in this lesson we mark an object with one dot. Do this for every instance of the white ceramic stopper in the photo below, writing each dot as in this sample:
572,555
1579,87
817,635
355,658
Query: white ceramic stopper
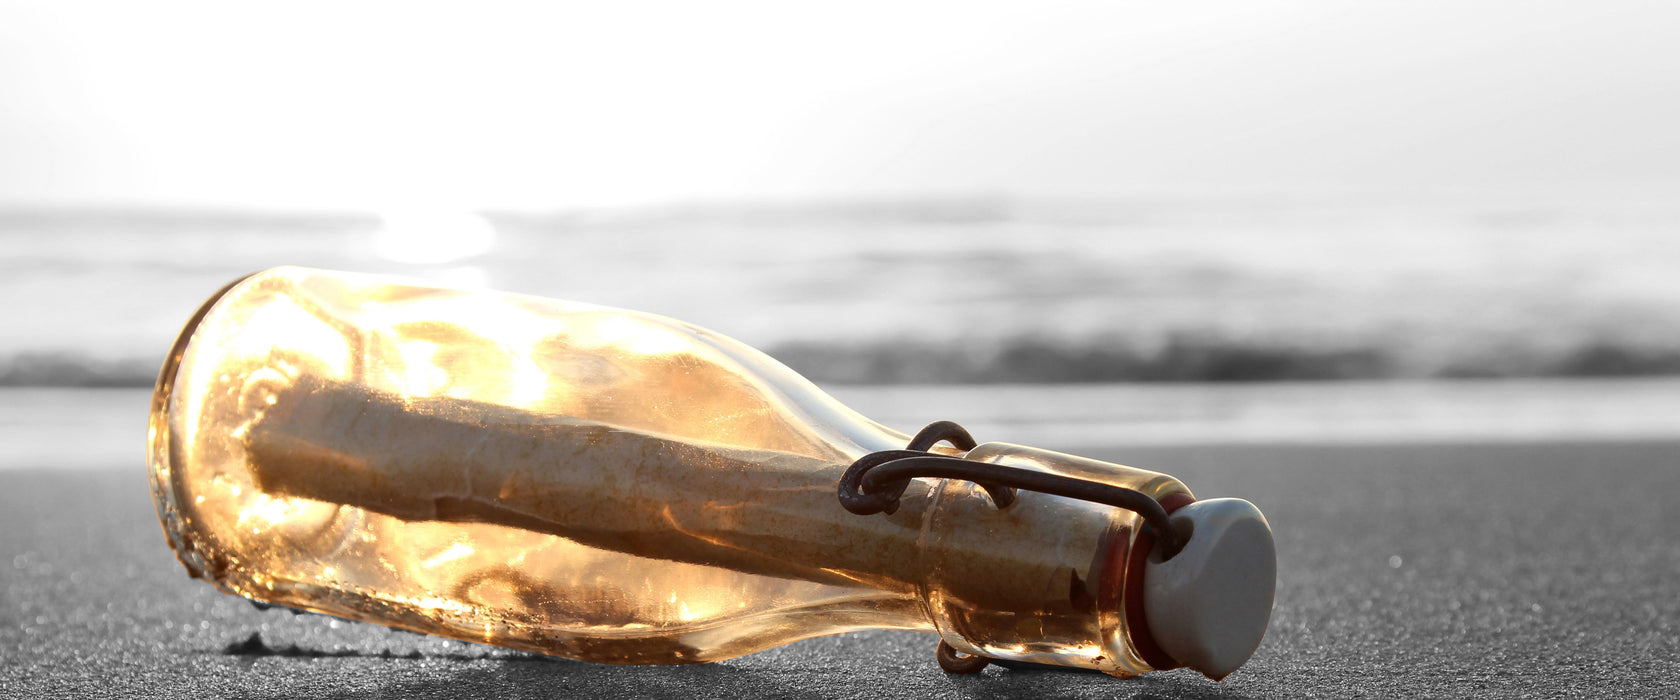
1208,607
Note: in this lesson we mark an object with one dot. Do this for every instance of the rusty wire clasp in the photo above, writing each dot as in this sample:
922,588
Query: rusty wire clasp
875,482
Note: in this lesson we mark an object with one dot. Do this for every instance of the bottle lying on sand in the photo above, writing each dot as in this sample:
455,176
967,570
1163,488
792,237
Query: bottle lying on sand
621,487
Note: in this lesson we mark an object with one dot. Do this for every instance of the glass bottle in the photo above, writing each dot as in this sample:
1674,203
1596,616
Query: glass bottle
604,485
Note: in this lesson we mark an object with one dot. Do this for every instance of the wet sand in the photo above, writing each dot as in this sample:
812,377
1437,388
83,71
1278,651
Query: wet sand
1472,570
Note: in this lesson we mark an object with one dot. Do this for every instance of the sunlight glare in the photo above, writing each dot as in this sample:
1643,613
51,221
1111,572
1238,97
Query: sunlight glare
432,236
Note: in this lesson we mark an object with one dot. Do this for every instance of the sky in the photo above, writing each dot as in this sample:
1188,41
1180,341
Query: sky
552,106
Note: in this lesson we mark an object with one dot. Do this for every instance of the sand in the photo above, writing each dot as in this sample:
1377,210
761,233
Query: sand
1539,569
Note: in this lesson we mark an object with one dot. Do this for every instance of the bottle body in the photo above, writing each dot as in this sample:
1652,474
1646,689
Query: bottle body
594,483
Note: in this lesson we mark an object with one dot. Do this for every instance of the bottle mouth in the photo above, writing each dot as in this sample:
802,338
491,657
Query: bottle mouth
1137,562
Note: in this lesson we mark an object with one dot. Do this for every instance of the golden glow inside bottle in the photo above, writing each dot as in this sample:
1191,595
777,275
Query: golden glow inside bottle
621,487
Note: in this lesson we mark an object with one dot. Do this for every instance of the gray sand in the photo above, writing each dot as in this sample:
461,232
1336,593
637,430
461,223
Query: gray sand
1471,570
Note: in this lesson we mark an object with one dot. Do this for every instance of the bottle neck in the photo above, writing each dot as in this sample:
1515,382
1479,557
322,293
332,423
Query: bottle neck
1045,580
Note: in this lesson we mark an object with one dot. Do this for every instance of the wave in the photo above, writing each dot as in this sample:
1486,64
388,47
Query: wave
73,370
1035,361
1195,359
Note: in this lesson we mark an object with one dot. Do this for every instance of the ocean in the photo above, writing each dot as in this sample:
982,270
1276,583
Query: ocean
1135,322
951,291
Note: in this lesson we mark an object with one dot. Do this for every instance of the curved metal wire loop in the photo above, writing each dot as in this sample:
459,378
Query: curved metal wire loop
942,431
875,483
885,500
952,663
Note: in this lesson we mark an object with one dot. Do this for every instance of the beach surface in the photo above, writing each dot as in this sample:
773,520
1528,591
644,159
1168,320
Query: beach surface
1439,569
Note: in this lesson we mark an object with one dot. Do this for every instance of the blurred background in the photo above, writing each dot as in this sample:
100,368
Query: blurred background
1056,222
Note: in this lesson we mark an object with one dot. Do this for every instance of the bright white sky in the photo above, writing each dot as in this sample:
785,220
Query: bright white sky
544,105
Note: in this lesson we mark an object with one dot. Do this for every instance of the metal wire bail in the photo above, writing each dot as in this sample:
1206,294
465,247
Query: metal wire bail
876,482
